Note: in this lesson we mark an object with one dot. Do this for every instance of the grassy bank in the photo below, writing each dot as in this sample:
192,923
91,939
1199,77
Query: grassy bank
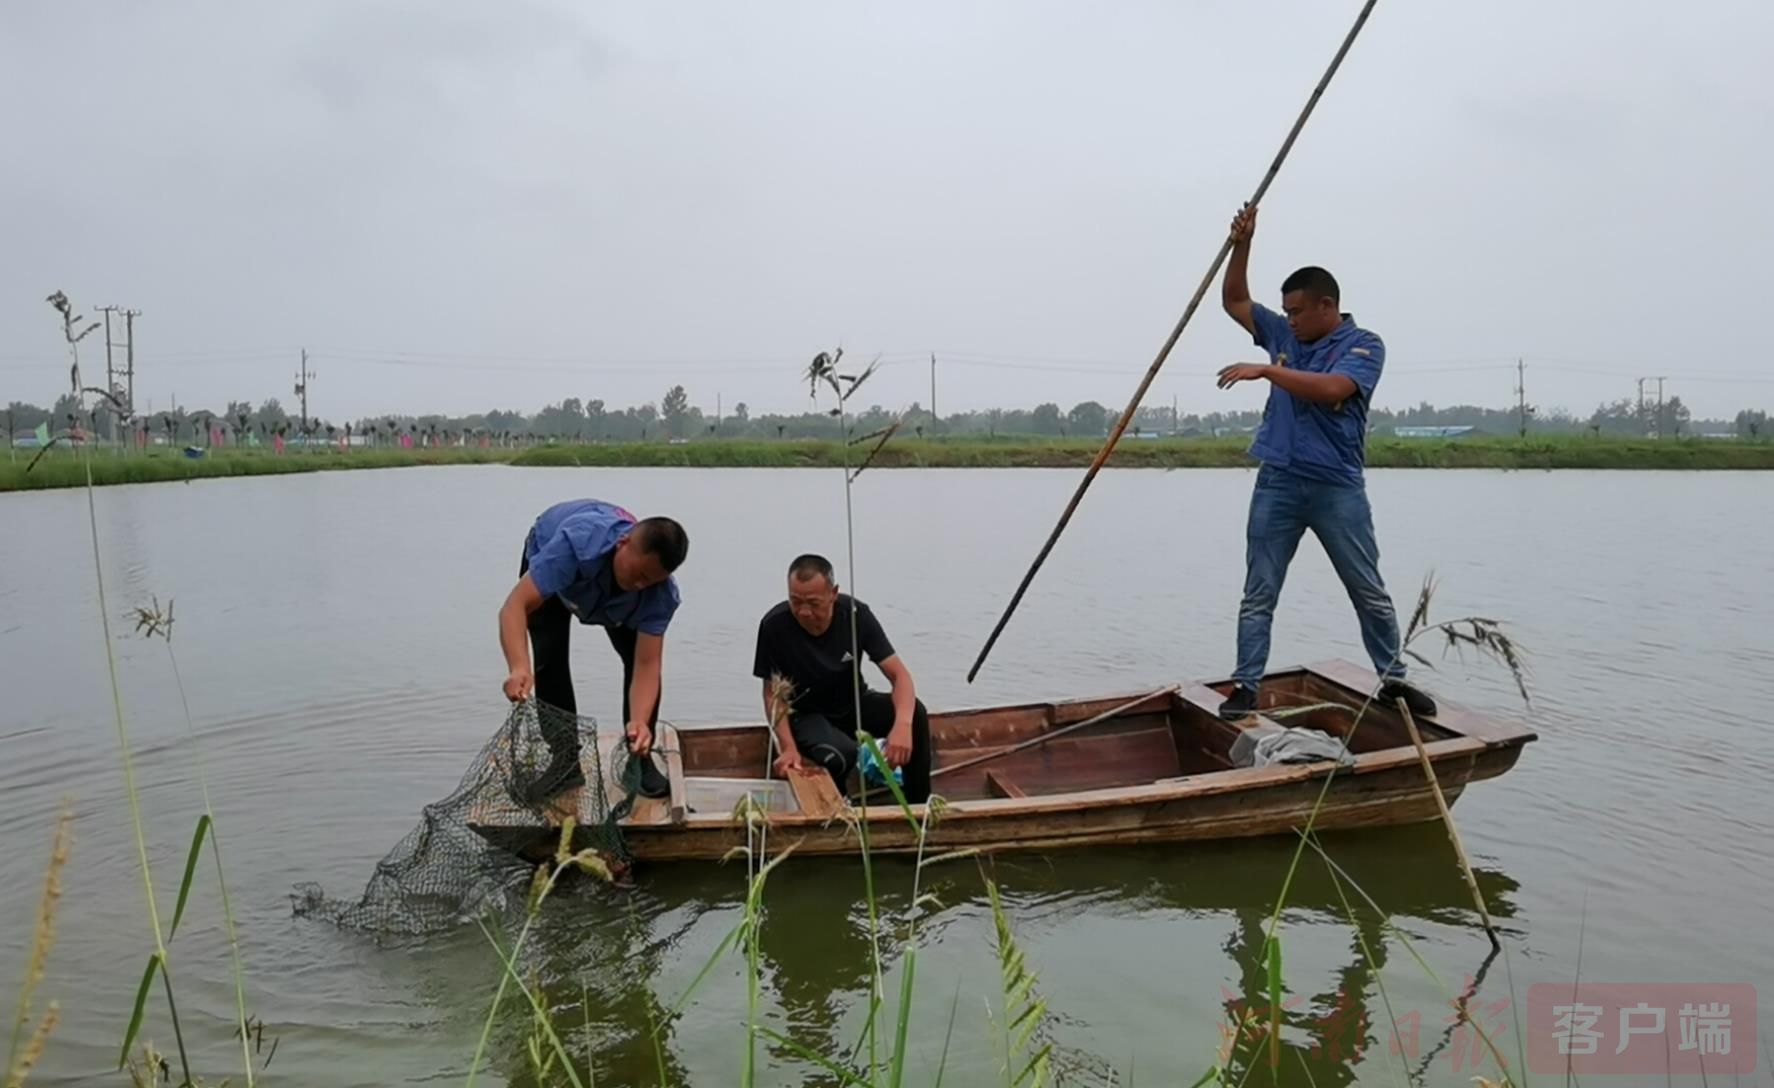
62,468
1021,452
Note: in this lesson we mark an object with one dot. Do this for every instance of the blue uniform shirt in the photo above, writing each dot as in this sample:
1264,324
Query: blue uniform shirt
1324,442
569,550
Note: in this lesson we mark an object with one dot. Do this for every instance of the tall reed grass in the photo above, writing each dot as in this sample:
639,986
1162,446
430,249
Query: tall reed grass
30,1033
152,622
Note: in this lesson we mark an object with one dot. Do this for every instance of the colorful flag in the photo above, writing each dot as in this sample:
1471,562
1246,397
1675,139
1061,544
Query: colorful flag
43,434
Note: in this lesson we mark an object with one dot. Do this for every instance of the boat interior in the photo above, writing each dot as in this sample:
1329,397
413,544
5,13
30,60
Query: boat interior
1130,740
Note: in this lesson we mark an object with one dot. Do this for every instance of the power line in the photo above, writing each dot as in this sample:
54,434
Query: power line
1402,366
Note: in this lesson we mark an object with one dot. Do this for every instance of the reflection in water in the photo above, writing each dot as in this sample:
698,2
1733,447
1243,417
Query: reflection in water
811,962
597,952
1329,1032
590,959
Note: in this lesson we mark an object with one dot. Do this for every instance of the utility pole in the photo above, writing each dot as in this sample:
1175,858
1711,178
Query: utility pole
120,380
1643,423
1173,415
303,377
110,369
1521,394
1660,407
717,415
935,420
110,373
129,355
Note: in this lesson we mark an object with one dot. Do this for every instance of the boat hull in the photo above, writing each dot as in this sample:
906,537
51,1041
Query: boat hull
1398,795
1154,767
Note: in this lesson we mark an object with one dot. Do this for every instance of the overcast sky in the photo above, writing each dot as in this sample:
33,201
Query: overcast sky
460,207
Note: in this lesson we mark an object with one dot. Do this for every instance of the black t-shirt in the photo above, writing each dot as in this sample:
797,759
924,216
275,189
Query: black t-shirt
820,668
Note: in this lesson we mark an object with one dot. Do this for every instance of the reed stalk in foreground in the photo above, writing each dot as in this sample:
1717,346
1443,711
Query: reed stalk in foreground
544,1054
153,622
158,960
893,1070
546,877
28,1041
1026,1016
1484,635
824,369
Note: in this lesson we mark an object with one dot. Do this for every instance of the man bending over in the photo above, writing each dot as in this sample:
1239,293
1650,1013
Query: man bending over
595,561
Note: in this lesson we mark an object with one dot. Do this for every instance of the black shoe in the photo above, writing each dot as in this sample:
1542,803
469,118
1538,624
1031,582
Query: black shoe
654,784
1420,704
1242,703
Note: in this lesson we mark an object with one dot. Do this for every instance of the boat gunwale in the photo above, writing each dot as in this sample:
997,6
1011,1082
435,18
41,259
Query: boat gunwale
1473,735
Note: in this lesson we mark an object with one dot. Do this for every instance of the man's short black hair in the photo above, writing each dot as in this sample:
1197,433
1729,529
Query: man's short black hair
664,539
806,566
1315,282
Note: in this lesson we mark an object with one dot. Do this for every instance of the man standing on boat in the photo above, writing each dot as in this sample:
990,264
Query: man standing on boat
1311,444
595,561
806,641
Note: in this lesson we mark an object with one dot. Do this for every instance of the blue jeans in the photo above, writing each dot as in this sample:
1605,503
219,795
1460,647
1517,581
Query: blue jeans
1282,507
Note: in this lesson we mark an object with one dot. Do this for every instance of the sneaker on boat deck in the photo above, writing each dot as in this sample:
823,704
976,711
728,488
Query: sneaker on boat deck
1420,704
1242,703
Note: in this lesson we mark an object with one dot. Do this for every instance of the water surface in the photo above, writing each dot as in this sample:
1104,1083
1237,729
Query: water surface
336,635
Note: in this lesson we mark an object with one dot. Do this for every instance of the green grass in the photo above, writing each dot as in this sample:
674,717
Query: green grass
1570,451
62,468
1027,452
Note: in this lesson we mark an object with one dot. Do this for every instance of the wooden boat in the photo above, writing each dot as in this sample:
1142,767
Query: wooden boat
1152,767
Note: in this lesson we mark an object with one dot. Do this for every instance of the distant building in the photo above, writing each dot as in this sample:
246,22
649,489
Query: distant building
1433,432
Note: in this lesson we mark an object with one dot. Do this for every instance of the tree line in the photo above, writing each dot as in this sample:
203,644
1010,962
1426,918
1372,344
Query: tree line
674,418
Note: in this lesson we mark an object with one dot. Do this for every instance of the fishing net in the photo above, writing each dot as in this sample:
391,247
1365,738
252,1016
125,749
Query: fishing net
476,850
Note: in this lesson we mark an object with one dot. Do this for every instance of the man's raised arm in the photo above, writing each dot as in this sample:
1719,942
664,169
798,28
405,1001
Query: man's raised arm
1235,286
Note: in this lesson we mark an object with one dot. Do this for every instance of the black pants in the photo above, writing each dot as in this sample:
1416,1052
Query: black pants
830,741
551,625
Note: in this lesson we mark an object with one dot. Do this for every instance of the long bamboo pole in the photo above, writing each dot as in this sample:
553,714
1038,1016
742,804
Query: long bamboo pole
1164,352
1447,819
1037,741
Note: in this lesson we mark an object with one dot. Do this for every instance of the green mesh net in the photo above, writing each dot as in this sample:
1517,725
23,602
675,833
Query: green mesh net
476,850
